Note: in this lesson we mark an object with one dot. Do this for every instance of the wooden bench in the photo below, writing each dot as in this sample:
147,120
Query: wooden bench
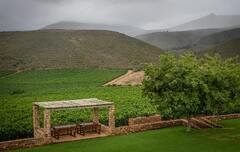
64,130
83,128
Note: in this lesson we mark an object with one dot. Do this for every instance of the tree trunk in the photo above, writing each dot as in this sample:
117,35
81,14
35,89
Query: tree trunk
217,119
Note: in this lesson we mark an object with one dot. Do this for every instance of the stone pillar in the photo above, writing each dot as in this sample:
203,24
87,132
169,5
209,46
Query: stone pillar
95,115
47,122
111,118
36,121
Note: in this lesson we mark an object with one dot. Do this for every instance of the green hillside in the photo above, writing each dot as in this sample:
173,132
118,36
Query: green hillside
73,49
217,38
227,49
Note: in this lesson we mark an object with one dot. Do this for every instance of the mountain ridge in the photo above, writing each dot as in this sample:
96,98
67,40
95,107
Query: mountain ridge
73,25
210,21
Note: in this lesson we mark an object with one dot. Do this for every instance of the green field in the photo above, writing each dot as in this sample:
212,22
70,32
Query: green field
163,140
18,91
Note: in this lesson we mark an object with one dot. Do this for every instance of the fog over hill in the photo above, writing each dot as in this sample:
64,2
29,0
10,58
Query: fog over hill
198,40
186,35
129,30
209,21
146,14
108,33
176,40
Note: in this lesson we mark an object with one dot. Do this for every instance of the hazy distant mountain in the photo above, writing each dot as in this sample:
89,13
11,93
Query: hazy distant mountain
196,39
176,40
73,49
209,21
129,30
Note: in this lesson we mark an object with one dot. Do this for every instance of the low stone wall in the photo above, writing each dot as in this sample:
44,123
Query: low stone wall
21,143
147,123
155,122
228,116
156,125
122,130
143,120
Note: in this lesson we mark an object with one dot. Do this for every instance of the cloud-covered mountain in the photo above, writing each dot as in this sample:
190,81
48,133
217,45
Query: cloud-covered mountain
125,29
195,39
187,35
209,21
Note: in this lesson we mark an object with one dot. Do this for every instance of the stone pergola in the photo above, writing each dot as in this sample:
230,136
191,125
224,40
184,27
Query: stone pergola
48,107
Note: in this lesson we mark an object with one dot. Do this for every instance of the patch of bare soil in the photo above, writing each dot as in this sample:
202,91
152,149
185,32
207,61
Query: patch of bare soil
130,78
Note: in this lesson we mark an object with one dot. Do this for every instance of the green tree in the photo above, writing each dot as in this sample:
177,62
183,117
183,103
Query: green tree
186,86
222,81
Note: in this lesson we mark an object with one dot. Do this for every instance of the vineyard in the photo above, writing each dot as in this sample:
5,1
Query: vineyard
18,91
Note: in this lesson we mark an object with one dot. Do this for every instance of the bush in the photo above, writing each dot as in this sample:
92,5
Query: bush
186,86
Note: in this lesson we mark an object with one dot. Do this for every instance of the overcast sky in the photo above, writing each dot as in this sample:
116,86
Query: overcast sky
147,14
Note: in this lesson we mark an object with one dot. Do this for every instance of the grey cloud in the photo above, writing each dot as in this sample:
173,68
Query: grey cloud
34,14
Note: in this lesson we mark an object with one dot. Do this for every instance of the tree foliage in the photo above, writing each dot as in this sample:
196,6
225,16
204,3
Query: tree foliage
186,85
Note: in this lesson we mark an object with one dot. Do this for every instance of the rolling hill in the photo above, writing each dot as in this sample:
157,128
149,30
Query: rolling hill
227,49
71,25
217,38
209,21
73,49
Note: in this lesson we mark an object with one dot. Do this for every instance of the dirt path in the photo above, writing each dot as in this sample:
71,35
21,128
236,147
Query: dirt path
130,78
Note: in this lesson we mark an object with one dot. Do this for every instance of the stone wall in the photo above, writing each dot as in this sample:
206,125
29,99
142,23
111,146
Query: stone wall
228,116
155,122
123,130
157,125
143,120
21,143
147,123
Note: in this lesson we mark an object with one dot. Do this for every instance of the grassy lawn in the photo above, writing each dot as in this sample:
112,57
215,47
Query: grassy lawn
18,91
165,140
